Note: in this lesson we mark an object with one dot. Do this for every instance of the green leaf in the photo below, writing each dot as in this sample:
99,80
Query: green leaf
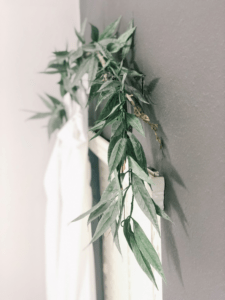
152,85
135,123
139,171
125,36
109,108
107,219
132,73
105,96
60,67
130,150
48,104
144,201
116,237
128,44
104,51
89,48
110,29
80,38
108,195
117,154
112,143
161,212
98,212
137,253
94,33
93,93
74,55
93,68
61,53
109,84
137,94
40,115
83,26
139,152
50,72
147,249
115,47
54,100
54,123
98,126
116,126
57,62
83,68
105,42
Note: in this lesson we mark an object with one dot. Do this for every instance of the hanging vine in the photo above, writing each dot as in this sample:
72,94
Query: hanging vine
117,83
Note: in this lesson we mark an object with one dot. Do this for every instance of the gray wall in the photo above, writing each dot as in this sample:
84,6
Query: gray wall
182,42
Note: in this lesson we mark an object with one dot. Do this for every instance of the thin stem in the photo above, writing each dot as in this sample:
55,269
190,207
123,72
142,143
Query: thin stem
132,206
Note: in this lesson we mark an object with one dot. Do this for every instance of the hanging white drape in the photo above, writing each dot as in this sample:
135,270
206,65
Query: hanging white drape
69,269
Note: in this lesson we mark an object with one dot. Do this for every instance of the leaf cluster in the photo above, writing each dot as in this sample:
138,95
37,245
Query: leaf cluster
114,78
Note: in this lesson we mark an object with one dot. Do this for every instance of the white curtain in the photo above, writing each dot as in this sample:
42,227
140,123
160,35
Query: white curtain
69,269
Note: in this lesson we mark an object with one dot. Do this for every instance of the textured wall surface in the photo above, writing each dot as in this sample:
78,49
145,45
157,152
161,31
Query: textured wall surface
29,32
182,42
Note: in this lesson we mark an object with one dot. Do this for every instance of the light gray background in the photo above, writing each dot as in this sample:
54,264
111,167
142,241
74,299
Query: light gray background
182,42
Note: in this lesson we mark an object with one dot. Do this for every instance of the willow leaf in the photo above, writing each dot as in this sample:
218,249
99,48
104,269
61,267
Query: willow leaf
54,123
62,54
144,201
129,235
152,85
116,237
161,212
147,249
143,263
128,44
112,143
89,48
80,37
54,100
116,125
109,84
40,115
83,26
83,68
94,33
74,55
139,152
48,104
107,219
93,68
98,212
117,154
108,195
135,123
139,171
106,96
109,108
110,29
115,47
137,94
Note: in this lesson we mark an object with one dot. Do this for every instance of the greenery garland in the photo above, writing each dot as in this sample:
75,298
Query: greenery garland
113,82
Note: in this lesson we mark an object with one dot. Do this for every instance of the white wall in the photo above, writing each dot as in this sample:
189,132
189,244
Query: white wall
29,32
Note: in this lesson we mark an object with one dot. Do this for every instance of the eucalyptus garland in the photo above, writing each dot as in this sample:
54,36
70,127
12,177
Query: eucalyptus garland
116,82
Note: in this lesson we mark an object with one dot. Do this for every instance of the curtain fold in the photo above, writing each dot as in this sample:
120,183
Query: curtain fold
69,268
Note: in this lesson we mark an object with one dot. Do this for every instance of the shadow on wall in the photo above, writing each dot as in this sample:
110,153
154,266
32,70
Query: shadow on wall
163,164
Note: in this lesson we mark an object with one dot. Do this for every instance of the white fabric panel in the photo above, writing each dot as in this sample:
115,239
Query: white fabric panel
123,277
69,269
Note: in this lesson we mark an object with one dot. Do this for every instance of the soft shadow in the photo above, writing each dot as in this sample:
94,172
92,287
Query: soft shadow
162,162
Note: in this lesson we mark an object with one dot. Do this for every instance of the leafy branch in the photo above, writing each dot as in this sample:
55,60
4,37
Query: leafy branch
116,84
